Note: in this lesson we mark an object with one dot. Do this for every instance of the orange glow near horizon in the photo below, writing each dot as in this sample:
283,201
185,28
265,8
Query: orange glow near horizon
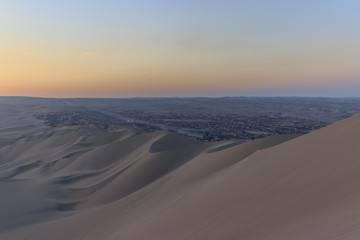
95,74
163,50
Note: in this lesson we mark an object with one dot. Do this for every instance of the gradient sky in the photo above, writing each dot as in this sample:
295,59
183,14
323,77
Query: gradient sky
108,48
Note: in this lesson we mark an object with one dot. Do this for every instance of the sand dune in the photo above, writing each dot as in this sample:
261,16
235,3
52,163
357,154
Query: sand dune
83,183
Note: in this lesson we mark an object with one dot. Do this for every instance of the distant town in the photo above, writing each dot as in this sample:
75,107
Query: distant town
205,127
206,119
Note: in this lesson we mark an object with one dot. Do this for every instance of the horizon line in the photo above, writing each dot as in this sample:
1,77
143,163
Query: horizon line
188,97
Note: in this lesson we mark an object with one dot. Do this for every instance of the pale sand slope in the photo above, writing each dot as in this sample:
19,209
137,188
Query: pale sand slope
17,121
79,183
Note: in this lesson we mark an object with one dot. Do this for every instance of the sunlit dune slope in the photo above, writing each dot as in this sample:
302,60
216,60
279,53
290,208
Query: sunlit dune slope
82,183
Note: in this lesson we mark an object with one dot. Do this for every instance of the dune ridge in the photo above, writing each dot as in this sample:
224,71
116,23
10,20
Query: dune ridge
83,183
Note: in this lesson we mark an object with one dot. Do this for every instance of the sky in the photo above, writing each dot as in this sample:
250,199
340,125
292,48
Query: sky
129,48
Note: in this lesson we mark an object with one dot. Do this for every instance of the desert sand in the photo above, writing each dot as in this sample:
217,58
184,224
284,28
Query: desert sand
84,183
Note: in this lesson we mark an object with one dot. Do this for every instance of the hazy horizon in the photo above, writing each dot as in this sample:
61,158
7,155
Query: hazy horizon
310,93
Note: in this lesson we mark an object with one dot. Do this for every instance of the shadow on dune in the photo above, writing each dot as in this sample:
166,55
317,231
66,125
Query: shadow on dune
80,169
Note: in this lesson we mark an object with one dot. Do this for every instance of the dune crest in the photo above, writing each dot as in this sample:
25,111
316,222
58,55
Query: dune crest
82,183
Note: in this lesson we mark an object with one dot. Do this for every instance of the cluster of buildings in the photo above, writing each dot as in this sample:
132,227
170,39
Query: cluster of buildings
231,126
204,126
79,117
